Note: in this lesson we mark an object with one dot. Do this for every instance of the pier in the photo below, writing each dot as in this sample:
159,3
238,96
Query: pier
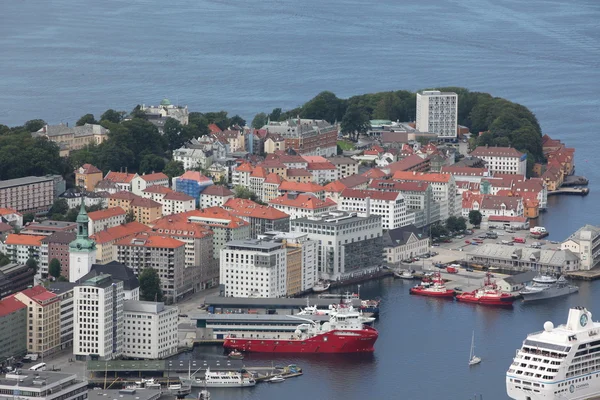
591,275
570,190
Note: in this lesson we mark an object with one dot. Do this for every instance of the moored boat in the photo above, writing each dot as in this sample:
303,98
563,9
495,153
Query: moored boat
405,274
489,295
343,333
276,379
321,286
222,379
547,287
434,288
235,355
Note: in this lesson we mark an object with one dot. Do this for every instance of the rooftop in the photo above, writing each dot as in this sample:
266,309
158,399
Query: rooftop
542,256
146,306
422,176
60,237
25,379
305,201
39,294
300,187
157,189
118,232
119,177
118,271
194,176
334,218
255,244
28,180
247,208
157,176
87,169
178,196
372,194
24,240
150,239
484,151
9,305
107,213
217,190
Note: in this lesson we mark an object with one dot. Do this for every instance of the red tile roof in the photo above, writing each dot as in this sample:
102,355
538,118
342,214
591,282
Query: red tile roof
297,172
7,211
464,171
119,177
24,240
353,181
314,159
157,189
421,176
211,213
273,178
395,186
124,195
313,166
483,151
407,163
259,172
272,164
150,239
304,201
247,208
217,190
119,232
157,176
39,294
108,213
178,196
181,229
194,176
244,167
145,203
335,187
213,128
373,194
10,305
300,187
374,173
88,169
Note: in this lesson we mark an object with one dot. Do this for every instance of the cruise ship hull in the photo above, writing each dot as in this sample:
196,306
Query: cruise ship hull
335,341
547,293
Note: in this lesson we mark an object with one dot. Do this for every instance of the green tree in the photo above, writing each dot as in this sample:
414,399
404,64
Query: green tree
150,288
34,125
86,119
326,105
28,217
94,207
173,134
355,122
59,207
72,214
275,114
173,168
138,113
112,116
32,263
219,118
475,217
242,192
130,216
4,260
151,163
54,268
259,120
438,230
456,224
198,124
237,120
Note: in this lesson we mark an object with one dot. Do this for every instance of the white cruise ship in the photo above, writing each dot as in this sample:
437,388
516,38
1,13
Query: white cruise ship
560,362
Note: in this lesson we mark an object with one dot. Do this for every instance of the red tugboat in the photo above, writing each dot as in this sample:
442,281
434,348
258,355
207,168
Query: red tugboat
434,288
489,295
343,333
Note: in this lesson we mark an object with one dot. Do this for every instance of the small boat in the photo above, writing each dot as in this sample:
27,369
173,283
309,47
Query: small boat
489,295
145,384
405,274
433,288
321,287
222,379
236,355
276,379
179,390
204,395
473,359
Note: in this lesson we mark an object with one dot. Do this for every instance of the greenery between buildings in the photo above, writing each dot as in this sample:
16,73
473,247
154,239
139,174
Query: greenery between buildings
150,289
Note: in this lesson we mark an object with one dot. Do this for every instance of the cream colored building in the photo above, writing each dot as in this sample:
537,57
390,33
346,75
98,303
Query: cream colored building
73,138
43,321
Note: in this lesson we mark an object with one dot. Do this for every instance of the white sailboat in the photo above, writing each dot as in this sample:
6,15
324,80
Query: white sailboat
473,359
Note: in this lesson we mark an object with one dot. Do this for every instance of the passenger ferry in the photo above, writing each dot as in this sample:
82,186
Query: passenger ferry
559,362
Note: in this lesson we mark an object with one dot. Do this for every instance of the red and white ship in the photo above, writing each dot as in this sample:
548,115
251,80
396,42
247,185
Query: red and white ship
434,287
343,333
489,295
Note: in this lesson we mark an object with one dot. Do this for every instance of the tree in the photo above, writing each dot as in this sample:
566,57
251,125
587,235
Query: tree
138,113
130,216
72,214
438,230
326,105
475,217
4,260
34,125
242,192
259,120
219,118
237,120
275,114
28,217
32,263
150,289
112,116
456,224
86,119
60,207
355,121
151,163
54,268
173,168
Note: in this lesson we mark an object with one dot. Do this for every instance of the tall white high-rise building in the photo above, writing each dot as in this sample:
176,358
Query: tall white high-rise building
150,329
437,112
98,322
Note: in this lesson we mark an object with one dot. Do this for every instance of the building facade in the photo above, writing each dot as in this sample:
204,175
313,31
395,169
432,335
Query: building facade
43,322
389,205
104,219
502,160
87,177
13,328
32,194
82,250
150,330
437,112
585,243
404,244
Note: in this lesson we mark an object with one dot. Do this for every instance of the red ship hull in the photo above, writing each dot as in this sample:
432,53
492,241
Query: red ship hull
424,292
336,341
504,301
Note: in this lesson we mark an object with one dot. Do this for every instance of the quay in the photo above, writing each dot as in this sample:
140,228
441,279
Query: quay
255,305
589,275
570,190
575,180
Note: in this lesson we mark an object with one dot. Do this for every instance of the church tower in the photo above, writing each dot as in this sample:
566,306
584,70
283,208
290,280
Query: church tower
82,250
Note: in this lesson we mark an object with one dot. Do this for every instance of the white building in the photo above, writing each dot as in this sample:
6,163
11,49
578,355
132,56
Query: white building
585,243
150,330
404,243
303,205
443,186
346,166
389,205
43,385
347,243
437,112
104,219
140,182
193,158
502,160
98,323
215,196
253,268
172,202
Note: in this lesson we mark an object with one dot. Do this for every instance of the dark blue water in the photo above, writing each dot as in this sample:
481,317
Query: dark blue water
61,59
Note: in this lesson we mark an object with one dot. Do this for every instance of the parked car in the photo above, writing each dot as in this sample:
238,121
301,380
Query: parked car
436,245
469,269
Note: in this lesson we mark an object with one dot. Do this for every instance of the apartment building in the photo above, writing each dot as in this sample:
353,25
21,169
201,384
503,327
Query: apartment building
585,243
172,202
192,183
322,172
437,112
254,268
14,278
87,177
65,293
43,322
120,272
215,196
503,160
11,217
345,166
306,136
98,318
144,210
303,205
166,255
347,242
389,205
405,243
443,186
13,328
21,247
73,138
31,194
122,180
150,330
139,183
192,158
104,219
55,246
261,218
44,385
105,240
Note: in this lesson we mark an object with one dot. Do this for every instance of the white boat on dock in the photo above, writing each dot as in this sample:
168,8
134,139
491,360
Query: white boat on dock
221,379
404,274
321,287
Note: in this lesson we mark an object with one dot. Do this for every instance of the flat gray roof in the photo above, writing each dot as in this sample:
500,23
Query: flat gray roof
145,306
258,317
24,378
252,302
28,180
124,394
168,366
337,218
255,244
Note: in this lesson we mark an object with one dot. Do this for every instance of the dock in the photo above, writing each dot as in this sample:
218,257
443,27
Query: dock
590,275
570,190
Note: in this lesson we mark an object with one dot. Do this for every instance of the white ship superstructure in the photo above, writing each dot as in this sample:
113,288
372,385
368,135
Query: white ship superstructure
560,362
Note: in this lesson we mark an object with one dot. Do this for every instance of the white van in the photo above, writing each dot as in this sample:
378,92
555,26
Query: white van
38,367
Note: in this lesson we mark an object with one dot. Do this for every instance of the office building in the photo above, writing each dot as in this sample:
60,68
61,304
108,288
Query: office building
150,330
437,112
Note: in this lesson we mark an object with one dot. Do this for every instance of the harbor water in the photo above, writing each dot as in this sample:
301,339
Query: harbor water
61,60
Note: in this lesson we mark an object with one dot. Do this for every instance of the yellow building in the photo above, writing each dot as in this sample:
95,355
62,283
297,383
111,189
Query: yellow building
87,176
43,321
294,268
73,138
144,210
274,143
